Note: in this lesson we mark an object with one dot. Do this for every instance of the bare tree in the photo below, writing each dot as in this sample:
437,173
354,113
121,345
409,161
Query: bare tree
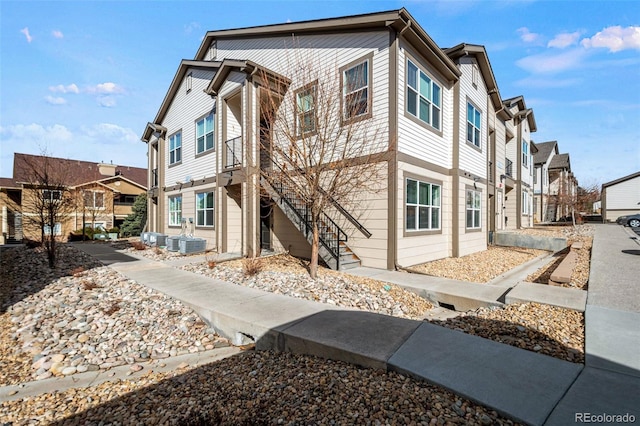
47,201
321,144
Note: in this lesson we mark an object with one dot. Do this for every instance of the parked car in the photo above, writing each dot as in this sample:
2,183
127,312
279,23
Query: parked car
632,220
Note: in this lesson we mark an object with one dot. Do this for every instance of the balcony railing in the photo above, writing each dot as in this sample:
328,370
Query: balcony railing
509,168
233,153
154,178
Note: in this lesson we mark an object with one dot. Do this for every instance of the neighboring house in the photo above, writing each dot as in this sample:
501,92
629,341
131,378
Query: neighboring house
102,195
541,184
443,157
563,188
620,197
518,174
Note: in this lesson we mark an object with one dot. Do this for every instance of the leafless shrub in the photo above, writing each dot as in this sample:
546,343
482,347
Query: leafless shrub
88,285
138,245
252,266
112,309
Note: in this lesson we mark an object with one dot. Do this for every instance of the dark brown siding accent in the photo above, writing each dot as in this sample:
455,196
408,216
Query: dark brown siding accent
392,165
455,184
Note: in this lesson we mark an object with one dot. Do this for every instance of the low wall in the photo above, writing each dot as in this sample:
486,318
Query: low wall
515,239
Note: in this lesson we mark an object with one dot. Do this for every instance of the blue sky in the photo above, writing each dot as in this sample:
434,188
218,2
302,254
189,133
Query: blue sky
81,79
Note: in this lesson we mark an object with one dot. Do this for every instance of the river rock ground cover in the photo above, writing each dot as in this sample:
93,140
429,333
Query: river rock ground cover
45,313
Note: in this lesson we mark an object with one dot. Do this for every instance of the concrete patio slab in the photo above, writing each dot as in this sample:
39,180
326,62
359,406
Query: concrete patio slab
357,337
521,384
562,297
597,392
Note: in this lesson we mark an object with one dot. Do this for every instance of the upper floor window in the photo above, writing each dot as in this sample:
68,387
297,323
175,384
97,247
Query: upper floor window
50,195
306,110
526,201
175,148
175,210
525,154
474,202
94,199
424,99
355,90
204,209
189,82
474,119
204,134
422,205
57,229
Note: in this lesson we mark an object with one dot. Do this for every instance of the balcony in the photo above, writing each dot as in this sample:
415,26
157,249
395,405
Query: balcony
508,170
233,153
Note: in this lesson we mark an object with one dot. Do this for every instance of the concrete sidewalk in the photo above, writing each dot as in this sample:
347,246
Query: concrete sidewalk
529,387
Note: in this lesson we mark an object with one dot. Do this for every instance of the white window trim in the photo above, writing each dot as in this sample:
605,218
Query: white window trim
57,229
175,148
175,213
347,116
189,82
204,136
431,104
300,113
525,155
475,141
417,206
476,196
206,209
93,197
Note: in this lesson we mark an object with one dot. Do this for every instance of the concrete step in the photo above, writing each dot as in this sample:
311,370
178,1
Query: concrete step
569,298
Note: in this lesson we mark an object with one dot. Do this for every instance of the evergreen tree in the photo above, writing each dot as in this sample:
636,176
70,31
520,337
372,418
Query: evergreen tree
134,223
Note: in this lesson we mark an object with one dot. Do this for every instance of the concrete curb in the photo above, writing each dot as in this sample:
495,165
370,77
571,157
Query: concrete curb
123,372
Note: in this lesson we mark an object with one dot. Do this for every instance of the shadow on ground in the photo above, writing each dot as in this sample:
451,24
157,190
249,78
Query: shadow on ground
25,271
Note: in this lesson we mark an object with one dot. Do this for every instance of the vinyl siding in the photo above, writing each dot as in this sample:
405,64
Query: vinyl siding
413,138
184,111
416,249
472,159
624,195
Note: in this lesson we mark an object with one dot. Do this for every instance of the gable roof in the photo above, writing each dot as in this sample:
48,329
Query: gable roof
622,179
544,151
480,53
400,20
560,161
77,172
8,183
518,101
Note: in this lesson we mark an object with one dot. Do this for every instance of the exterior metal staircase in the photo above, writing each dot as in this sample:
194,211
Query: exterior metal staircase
333,248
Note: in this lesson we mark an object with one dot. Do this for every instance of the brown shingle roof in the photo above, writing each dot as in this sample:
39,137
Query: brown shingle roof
7,183
76,172
560,161
544,150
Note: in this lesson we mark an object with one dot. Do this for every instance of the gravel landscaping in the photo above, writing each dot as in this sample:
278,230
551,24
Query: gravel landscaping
82,316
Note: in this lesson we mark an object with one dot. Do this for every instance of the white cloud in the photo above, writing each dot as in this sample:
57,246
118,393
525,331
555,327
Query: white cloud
106,88
546,63
106,101
564,40
527,36
57,34
71,88
191,27
26,33
615,39
55,100
108,133
27,134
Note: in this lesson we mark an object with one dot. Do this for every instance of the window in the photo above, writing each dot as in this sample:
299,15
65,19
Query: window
473,125
305,110
204,134
525,202
422,205
175,148
94,199
423,96
189,82
474,202
525,154
57,229
175,210
213,50
355,87
50,195
204,209
474,76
